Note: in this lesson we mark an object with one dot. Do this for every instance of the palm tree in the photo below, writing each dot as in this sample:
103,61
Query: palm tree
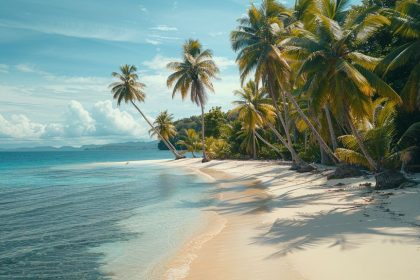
253,111
378,137
164,124
191,141
406,23
256,40
248,140
129,89
193,76
336,73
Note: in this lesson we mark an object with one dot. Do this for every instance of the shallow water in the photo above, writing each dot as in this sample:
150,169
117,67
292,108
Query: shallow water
63,216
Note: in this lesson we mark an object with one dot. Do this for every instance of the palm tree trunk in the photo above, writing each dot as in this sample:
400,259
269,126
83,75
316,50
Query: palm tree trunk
288,143
177,156
254,145
313,129
331,128
279,136
295,134
359,140
193,154
268,144
286,117
170,144
325,159
324,156
284,142
203,141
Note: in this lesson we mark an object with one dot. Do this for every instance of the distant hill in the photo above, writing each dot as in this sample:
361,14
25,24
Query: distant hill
107,147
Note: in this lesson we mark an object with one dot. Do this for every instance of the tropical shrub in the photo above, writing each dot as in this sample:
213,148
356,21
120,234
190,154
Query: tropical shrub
378,135
217,148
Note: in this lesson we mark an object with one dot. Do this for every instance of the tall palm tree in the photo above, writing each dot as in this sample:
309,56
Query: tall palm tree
304,15
406,23
164,124
129,89
191,141
253,111
194,76
336,73
256,40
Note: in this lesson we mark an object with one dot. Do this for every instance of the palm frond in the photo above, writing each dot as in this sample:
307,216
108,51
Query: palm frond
351,157
411,136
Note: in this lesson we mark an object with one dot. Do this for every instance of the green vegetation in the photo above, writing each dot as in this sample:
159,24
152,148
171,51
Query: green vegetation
191,141
253,111
321,82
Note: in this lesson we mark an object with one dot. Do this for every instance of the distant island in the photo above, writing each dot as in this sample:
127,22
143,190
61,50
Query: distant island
151,145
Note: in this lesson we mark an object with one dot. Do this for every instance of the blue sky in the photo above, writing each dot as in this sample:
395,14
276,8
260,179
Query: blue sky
56,57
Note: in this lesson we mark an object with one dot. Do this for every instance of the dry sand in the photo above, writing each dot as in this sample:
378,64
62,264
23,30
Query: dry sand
271,223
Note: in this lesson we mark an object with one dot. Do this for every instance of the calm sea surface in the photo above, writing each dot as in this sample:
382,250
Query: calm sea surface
85,215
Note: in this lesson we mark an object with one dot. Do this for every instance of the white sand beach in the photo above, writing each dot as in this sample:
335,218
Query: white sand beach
268,222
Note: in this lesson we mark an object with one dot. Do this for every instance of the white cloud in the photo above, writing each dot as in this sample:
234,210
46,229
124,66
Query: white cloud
143,9
25,68
159,62
4,68
223,62
216,34
153,42
164,37
102,120
224,91
111,120
33,69
155,39
164,28
19,126
86,30
60,84
78,120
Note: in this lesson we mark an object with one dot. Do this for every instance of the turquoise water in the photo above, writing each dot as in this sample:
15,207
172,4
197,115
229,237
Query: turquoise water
66,215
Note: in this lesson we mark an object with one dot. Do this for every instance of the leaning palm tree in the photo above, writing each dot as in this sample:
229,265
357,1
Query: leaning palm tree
253,111
337,73
193,76
165,126
129,89
191,141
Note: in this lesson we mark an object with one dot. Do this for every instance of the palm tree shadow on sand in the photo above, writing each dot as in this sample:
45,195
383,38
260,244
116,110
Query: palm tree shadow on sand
332,227
345,217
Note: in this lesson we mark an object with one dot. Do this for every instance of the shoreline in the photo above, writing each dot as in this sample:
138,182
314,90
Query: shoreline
220,227
269,221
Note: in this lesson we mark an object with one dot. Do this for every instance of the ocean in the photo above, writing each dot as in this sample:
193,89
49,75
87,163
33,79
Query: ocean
93,214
